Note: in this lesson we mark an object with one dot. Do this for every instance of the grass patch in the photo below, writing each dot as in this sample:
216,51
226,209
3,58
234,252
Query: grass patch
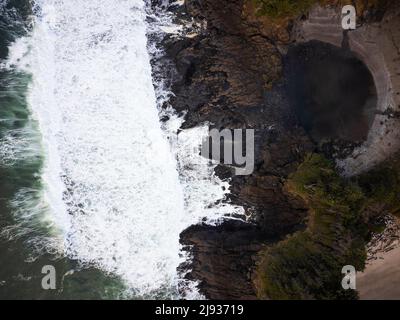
282,8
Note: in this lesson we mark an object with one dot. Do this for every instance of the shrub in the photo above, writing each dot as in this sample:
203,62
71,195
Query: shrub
308,264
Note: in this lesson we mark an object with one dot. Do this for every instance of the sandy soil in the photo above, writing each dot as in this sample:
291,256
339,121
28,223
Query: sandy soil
381,278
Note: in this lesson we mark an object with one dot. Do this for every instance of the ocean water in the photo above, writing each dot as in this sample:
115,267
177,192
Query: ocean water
91,181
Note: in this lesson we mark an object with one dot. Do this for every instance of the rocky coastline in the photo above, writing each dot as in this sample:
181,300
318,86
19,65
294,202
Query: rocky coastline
230,73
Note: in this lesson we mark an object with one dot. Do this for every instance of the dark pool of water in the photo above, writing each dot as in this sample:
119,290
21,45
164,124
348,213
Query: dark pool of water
331,91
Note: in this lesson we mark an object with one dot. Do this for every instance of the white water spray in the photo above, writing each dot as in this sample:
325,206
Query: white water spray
110,177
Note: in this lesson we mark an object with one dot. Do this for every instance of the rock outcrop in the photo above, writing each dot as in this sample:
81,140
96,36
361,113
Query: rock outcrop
223,258
230,75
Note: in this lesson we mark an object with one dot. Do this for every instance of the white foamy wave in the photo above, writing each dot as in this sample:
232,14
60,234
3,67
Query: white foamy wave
110,178
109,169
204,192
18,145
38,230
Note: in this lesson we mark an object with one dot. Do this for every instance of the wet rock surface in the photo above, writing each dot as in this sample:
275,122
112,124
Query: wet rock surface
223,257
228,75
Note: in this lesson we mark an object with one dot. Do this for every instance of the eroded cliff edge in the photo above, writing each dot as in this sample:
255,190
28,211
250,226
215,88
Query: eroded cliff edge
230,74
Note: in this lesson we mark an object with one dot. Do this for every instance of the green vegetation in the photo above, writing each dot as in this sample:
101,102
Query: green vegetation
308,264
278,9
282,8
342,214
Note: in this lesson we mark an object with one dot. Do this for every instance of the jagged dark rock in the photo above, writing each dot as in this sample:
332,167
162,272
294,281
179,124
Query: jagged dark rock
223,257
230,75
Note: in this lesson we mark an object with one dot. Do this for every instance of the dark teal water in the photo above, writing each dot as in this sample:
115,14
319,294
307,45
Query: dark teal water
24,246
